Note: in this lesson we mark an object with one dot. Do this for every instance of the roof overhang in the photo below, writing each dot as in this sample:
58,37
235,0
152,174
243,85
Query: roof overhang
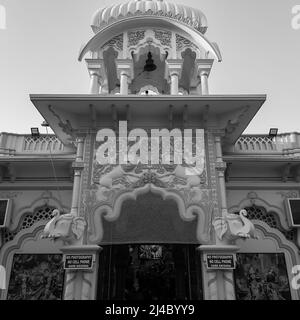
69,115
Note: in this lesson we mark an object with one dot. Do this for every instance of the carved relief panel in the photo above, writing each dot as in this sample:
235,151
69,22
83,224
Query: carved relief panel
111,185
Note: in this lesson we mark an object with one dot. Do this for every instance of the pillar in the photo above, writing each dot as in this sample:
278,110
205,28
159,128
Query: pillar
174,82
221,167
78,166
81,284
218,284
125,74
174,68
124,77
203,67
204,82
97,73
95,83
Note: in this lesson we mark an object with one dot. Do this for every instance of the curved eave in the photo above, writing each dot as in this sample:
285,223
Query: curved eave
134,22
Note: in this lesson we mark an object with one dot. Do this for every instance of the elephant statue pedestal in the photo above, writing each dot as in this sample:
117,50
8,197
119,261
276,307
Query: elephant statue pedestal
218,263
81,281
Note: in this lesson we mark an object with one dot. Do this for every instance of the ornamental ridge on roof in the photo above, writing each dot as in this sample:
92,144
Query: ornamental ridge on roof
190,16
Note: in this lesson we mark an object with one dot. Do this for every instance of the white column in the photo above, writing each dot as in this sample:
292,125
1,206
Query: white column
221,167
78,166
174,75
95,83
204,82
203,67
218,284
124,83
125,74
82,284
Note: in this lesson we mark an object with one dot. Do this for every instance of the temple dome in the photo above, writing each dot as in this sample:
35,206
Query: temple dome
190,16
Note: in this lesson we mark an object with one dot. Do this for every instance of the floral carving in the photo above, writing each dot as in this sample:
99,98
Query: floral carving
116,42
163,36
182,42
110,181
134,37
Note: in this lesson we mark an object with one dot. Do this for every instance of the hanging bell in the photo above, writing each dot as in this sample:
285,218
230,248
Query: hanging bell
149,66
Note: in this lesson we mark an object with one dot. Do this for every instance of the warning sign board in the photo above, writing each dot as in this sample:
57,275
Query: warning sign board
78,261
220,261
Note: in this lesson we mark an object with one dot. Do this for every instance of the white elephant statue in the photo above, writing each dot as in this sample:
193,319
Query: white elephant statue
234,226
66,227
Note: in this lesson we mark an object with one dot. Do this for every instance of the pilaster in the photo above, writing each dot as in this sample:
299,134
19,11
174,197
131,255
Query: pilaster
98,76
173,73
81,284
218,284
203,70
125,74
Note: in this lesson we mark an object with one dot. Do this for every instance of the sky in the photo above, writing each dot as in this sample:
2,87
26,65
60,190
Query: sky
260,48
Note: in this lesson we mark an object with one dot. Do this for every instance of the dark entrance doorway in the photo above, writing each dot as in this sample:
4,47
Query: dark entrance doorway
149,272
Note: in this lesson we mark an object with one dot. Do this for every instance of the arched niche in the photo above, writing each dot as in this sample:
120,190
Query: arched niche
28,241
155,22
148,90
250,201
41,201
272,241
155,78
193,214
110,56
149,219
188,68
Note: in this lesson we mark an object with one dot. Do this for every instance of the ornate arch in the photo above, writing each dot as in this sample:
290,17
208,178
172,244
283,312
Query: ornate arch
253,199
278,243
42,200
26,241
149,87
112,213
117,27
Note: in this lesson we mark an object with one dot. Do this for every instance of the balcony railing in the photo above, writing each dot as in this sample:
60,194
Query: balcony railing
255,144
287,144
15,144
284,144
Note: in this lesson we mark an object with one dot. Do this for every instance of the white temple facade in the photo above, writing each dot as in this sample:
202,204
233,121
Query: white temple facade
224,227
